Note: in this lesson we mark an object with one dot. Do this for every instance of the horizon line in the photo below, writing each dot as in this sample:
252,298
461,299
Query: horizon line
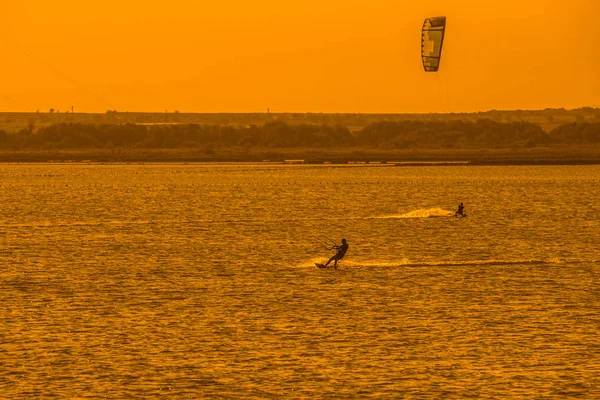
593,107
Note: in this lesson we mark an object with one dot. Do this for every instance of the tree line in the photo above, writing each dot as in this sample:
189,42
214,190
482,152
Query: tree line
279,134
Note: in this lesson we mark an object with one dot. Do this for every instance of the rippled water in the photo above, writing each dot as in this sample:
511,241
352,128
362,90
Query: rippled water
198,281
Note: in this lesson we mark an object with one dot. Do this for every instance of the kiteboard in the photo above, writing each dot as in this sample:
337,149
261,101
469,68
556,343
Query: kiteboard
460,215
319,265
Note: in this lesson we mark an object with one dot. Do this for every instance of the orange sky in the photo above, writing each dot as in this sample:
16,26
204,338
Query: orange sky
305,56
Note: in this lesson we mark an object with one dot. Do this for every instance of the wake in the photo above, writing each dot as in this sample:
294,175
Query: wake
406,263
465,263
423,213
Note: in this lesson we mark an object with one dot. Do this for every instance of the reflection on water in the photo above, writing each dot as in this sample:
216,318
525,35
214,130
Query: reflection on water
198,281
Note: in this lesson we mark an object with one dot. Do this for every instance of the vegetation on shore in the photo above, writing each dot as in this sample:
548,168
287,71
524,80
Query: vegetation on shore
477,140
547,119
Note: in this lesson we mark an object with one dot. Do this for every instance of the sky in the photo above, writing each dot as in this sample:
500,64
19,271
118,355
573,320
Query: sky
328,56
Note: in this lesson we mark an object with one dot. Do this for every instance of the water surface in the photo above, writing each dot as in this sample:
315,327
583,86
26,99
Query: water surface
198,281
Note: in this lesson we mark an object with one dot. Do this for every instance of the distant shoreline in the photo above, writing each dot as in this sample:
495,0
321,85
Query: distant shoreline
358,156
547,119
519,137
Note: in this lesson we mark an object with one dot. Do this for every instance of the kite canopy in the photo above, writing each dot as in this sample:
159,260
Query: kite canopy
432,39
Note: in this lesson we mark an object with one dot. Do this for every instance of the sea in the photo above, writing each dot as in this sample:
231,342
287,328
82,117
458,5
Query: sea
198,281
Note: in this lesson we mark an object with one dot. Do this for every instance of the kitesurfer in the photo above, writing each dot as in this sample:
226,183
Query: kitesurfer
460,210
341,251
